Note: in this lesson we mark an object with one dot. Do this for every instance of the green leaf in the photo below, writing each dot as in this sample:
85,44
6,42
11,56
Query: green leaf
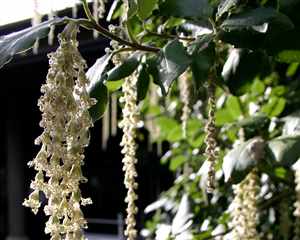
176,162
113,86
172,63
288,56
274,107
23,40
237,72
100,93
125,69
253,123
97,72
257,17
186,8
242,158
145,8
225,6
143,83
285,150
234,107
132,8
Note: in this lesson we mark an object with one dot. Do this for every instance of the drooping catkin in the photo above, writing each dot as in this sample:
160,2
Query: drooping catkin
129,124
244,211
210,139
98,12
66,122
36,19
297,203
51,34
185,95
105,127
114,114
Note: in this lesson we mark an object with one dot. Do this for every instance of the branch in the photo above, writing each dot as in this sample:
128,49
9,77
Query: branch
91,22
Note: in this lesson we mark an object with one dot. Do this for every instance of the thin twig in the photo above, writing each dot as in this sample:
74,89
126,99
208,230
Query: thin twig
103,31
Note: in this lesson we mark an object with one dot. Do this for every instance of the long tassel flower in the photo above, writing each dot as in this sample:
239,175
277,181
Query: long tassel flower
296,212
185,94
98,12
36,19
66,122
129,125
210,139
244,211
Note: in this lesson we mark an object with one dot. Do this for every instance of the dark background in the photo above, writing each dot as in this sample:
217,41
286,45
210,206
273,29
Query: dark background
19,126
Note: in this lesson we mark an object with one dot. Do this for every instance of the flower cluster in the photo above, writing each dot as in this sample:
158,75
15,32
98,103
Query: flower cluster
244,208
185,92
210,139
66,122
129,124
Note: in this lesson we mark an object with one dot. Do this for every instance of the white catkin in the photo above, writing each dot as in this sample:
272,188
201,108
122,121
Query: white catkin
51,34
105,127
297,205
244,214
210,138
75,10
185,94
114,114
98,12
36,19
66,122
129,124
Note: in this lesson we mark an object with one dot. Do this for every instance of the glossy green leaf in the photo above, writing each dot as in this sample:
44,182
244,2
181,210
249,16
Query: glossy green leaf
257,17
132,8
23,40
145,8
124,69
100,93
242,158
172,63
113,86
285,150
97,72
143,83
186,8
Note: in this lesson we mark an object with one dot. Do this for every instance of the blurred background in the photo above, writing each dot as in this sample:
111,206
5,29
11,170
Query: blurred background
19,126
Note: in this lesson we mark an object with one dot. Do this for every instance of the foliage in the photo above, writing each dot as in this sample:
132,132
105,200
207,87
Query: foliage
249,48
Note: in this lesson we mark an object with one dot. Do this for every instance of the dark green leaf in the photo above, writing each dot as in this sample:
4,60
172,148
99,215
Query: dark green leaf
143,83
23,40
285,150
132,8
257,17
100,93
97,72
125,69
172,63
252,123
242,158
237,71
152,68
145,8
186,8
202,60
